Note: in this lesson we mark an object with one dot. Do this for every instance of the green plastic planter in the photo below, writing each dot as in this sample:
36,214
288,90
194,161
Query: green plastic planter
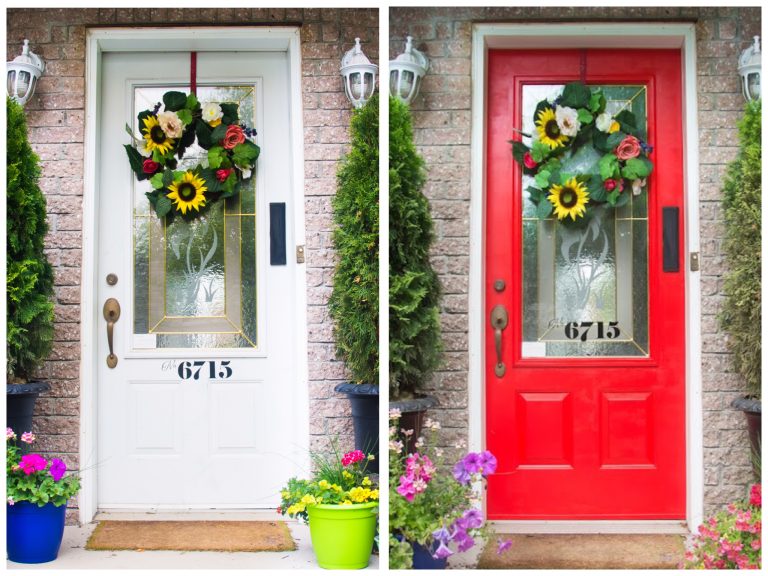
342,536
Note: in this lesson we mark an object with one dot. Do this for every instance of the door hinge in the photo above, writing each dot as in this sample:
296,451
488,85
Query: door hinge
300,254
694,261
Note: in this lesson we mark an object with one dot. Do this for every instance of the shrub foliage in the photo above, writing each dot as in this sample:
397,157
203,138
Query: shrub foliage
29,274
415,345
740,316
354,302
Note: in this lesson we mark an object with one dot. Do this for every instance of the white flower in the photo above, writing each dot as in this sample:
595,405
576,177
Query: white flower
431,424
604,122
419,442
10,500
171,124
637,186
395,445
394,413
567,120
246,172
212,112
142,148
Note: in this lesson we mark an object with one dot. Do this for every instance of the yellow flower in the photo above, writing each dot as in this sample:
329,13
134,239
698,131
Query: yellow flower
570,199
366,481
614,127
324,484
346,503
359,494
374,494
549,131
346,474
214,123
336,487
188,193
155,138
308,499
285,493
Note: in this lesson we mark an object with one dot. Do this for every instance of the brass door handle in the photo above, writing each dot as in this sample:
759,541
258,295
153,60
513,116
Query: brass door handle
111,315
499,321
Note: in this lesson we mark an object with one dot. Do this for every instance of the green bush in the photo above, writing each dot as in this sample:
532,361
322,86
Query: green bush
354,302
415,346
740,316
30,276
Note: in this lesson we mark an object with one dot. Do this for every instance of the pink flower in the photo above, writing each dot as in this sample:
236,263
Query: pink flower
628,148
28,437
31,463
58,468
10,434
233,137
223,174
529,162
756,495
150,166
352,457
10,501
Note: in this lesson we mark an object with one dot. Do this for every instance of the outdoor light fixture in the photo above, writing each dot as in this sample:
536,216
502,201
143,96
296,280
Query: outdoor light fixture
406,72
749,68
23,74
359,76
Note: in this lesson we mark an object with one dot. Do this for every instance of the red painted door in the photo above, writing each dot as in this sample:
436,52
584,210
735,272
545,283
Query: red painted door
586,426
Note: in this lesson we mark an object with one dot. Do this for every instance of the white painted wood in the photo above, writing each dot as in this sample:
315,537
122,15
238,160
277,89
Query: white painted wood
590,527
285,418
589,35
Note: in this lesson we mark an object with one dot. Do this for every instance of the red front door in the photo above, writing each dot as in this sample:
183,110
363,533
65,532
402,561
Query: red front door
587,416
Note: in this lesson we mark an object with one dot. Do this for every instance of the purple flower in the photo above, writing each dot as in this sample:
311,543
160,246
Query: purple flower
57,469
461,474
504,545
488,463
472,462
441,534
473,518
465,543
442,551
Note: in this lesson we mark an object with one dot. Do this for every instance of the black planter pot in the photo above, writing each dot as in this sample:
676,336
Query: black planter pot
364,399
752,409
412,416
21,404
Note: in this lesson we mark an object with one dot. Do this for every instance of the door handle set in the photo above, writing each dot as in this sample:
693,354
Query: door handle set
499,321
111,315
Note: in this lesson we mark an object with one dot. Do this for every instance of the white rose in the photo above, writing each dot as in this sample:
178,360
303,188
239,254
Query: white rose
567,120
142,148
604,122
637,186
212,112
171,124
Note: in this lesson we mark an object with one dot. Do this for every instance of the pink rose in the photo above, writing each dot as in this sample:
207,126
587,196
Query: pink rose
629,148
150,166
223,174
233,137
611,184
529,162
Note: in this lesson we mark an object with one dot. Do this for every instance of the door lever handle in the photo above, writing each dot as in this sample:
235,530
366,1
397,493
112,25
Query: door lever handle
111,315
499,321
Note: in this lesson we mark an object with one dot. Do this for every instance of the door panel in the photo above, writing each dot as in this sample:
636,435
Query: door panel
587,424
200,410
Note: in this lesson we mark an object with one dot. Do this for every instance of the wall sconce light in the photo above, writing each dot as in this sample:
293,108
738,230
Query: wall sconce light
749,69
406,72
23,73
359,76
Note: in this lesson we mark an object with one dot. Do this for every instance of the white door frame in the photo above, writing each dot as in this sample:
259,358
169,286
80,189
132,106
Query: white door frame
589,35
254,39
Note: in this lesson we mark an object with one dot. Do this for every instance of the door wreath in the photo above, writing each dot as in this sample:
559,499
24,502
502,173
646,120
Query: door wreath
582,156
164,138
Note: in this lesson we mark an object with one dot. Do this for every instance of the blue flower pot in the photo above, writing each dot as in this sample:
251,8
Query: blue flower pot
423,560
34,532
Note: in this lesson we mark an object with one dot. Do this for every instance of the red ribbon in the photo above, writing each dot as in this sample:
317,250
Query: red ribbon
193,72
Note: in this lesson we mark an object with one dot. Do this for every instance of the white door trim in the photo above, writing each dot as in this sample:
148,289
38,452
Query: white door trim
590,35
280,39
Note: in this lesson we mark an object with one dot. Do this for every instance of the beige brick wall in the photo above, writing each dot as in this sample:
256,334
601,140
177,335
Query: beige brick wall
56,120
442,130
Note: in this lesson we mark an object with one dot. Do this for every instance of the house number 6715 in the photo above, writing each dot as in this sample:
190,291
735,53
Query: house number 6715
192,369
580,330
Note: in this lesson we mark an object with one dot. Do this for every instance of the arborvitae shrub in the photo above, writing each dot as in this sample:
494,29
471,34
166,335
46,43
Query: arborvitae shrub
415,345
30,276
740,316
354,303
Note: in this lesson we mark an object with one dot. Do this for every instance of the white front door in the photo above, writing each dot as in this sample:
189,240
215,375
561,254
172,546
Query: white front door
201,410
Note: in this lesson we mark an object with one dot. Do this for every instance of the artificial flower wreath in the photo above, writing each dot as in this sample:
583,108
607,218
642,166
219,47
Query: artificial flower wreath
166,135
574,120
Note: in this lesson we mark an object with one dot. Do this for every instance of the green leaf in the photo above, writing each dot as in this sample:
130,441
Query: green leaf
211,182
584,116
245,154
157,181
613,196
575,95
518,151
597,102
539,151
608,166
174,101
535,194
635,168
600,141
185,116
215,156
230,113
137,162
622,199
130,132
163,206
542,178
544,209
219,132
627,121
192,101
167,178
615,139
203,134
229,186
596,189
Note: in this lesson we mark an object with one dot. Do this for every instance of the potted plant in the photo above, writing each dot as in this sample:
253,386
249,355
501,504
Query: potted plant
37,492
29,274
740,316
340,502
354,302
415,344
432,509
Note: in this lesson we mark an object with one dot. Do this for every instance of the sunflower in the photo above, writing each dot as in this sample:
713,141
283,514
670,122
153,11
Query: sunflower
569,199
189,192
155,137
549,131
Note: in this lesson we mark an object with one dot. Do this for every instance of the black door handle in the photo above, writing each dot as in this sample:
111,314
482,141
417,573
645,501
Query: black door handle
671,238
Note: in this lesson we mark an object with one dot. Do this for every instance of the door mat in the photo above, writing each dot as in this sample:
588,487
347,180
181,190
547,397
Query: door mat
211,536
586,551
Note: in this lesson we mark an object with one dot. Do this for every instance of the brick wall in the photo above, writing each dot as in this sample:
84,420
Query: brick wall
442,126
56,123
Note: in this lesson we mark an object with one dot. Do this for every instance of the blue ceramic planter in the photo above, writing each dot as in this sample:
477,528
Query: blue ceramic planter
423,560
34,532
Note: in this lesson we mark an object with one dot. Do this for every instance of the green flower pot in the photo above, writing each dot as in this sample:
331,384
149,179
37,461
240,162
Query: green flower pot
342,536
